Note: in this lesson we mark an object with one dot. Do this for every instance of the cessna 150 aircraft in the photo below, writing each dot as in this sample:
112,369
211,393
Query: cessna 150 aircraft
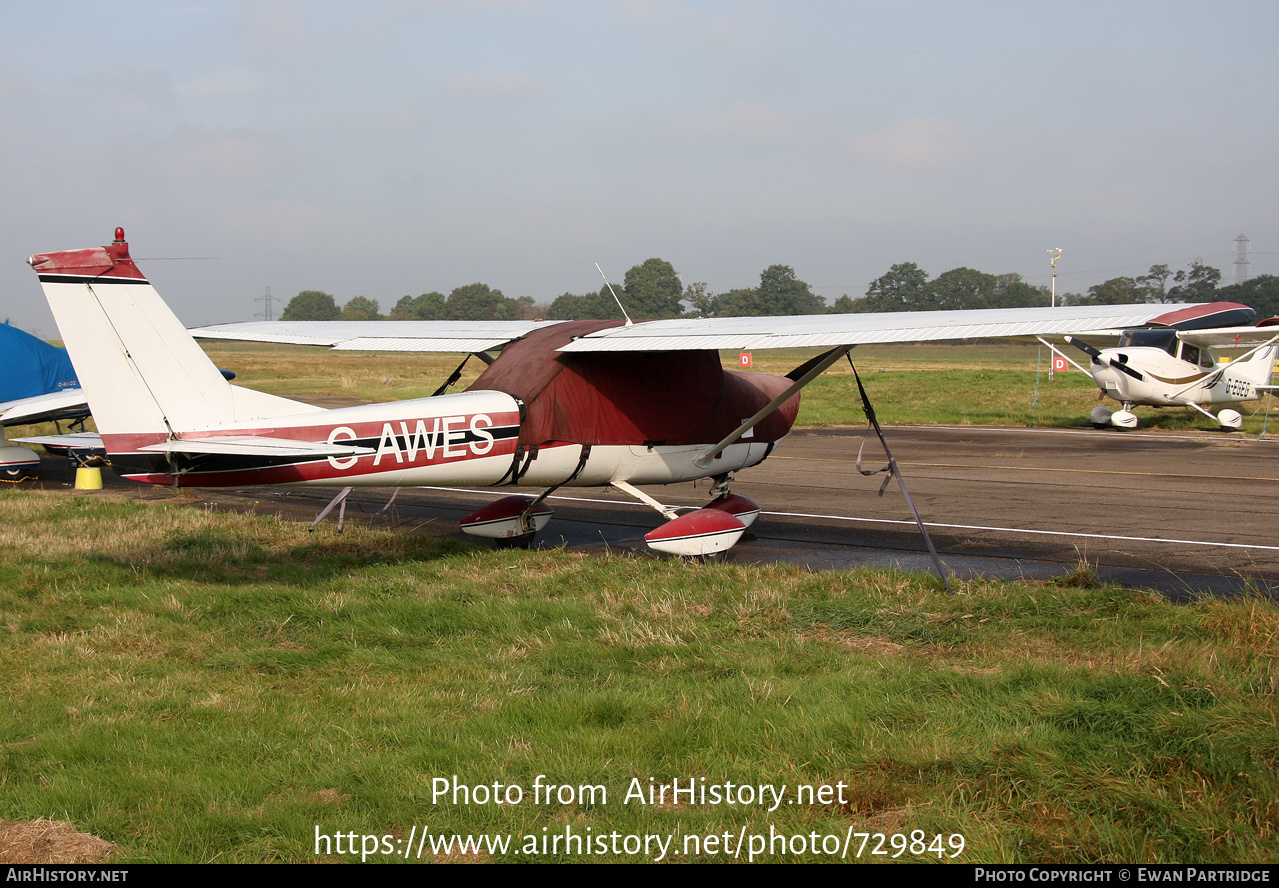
1171,363
579,403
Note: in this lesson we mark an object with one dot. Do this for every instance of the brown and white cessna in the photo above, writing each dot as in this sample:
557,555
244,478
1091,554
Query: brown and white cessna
575,403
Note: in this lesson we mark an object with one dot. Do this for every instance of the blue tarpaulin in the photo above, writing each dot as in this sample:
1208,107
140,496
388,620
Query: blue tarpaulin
30,366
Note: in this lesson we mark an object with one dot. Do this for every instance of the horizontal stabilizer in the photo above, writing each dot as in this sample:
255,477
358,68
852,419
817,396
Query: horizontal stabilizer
250,445
80,442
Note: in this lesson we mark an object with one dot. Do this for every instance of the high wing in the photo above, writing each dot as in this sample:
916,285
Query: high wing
424,336
1220,338
1223,337
681,334
822,331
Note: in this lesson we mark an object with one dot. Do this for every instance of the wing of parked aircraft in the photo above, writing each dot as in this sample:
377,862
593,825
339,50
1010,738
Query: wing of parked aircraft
66,404
1226,337
684,334
423,336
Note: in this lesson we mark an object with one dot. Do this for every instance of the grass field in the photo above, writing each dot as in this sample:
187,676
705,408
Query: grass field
195,686
192,685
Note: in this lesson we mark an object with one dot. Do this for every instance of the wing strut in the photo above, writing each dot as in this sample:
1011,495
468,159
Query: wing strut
811,371
339,500
894,471
453,377
1061,354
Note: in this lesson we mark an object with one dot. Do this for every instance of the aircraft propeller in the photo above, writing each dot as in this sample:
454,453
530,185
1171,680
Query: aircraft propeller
1090,351
1095,354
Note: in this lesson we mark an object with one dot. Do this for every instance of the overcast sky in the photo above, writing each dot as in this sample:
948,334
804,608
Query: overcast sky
385,148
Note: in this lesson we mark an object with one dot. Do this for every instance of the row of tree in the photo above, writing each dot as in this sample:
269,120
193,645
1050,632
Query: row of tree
649,290
906,287
1198,283
474,302
653,290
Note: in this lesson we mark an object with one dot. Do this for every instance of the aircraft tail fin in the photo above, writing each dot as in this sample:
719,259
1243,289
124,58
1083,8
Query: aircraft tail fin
1258,366
141,371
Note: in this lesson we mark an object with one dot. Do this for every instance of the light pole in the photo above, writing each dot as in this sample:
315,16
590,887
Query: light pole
1056,254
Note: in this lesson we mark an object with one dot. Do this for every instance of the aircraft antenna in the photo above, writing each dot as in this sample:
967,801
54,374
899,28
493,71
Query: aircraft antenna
269,306
629,322
1241,258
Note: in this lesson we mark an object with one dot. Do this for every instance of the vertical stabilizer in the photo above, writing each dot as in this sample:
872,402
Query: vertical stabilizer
141,371
1258,366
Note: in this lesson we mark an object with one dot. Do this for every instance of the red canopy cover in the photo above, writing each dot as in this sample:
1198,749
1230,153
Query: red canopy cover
678,397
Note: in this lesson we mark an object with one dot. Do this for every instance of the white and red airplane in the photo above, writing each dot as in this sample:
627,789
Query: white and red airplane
1173,362
575,403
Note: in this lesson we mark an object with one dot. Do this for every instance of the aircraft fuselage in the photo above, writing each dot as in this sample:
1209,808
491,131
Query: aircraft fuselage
473,438
1164,380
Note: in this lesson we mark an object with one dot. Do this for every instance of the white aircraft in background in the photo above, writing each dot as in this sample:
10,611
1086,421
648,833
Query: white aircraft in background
37,384
574,403
1173,362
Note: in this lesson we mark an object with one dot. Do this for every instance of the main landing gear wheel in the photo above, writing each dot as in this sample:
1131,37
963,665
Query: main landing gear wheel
511,522
1103,418
1230,420
523,541
1123,419
18,463
703,532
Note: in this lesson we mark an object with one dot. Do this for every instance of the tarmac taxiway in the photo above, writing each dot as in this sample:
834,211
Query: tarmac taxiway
1184,514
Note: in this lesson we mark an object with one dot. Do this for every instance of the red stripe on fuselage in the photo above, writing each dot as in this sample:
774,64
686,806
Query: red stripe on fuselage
399,445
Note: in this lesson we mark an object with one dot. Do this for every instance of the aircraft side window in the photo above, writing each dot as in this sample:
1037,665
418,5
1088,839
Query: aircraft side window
1189,353
1206,360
